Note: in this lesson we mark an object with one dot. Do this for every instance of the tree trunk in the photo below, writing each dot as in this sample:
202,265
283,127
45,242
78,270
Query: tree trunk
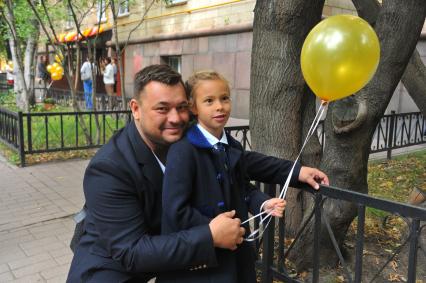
351,122
414,78
29,63
118,52
20,86
277,85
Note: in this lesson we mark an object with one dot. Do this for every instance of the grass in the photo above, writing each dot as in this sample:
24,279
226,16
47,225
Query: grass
52,126
394,179
71,134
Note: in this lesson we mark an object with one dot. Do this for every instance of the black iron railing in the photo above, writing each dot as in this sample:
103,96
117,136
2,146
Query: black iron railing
9,128
273,261
50,132
399,130
63,97
30,133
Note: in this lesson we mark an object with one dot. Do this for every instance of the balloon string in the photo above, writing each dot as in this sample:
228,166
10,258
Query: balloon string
258,233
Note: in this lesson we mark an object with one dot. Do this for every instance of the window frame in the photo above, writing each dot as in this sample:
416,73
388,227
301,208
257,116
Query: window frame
172,3
101,11
126,12
168,60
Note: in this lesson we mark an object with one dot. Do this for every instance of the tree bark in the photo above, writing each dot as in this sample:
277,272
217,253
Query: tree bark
20,84
414,78
351,122
118,52
277,86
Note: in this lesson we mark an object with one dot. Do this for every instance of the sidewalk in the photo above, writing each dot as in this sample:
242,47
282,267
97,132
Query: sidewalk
36,204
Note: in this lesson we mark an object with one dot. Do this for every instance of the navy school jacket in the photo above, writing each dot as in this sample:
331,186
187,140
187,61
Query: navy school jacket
197,187
122,242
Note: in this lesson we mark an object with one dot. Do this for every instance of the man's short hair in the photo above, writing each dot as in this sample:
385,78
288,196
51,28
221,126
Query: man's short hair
155,73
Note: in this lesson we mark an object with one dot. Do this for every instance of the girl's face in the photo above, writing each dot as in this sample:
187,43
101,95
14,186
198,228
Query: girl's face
212,105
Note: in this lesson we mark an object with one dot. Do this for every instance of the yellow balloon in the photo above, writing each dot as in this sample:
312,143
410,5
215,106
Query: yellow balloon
59,58
58,69
56,76
339,56
49,68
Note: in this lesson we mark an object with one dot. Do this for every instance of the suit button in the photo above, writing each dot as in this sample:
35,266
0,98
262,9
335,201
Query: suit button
205,266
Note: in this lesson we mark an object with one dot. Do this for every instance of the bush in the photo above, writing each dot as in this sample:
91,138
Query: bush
49,101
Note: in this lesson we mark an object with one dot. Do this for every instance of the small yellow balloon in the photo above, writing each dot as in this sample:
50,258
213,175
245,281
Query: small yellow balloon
56,76
49,68
59,69
59,58
339,56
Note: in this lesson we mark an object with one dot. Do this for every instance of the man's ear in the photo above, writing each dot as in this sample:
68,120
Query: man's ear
134,106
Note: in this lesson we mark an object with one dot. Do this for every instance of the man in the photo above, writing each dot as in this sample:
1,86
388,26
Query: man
122,187
87,70
43,77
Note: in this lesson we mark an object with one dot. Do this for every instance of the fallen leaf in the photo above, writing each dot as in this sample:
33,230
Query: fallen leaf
393,277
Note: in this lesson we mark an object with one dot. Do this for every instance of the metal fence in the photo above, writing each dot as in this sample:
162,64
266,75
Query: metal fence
273,265
63,97
394,131
30,133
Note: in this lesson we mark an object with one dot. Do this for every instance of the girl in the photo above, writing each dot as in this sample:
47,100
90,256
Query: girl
205,175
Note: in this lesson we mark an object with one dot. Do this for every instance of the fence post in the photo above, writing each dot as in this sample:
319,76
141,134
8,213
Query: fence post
21,138
412,257
268,244
317,235
390,135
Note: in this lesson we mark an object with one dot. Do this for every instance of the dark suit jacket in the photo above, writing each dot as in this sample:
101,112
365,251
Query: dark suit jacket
198,185
122,187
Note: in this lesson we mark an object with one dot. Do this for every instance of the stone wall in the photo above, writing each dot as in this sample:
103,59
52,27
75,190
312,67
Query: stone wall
228,54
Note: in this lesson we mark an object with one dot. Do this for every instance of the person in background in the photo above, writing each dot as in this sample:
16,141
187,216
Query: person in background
115,68
10,77
109,82
43,74
88,69
43,77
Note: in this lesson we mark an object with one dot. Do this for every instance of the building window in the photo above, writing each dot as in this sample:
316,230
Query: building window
171,3
173,61
123,8
101,14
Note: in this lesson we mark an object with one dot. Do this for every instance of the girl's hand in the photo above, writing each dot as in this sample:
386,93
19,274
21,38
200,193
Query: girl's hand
275,206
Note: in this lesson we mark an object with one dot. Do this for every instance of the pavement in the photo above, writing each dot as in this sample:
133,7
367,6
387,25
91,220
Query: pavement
36,225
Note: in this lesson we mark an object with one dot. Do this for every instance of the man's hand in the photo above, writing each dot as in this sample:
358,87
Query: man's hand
275,206
226,231
313,177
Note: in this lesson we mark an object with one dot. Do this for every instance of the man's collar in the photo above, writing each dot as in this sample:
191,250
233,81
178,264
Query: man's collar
210,138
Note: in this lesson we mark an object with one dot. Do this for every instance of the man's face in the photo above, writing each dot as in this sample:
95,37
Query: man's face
161,113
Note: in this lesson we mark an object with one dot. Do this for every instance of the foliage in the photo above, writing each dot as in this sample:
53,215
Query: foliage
7,100
394,179
49,101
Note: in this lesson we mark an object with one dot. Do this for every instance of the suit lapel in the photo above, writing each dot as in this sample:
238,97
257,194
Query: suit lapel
151,169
